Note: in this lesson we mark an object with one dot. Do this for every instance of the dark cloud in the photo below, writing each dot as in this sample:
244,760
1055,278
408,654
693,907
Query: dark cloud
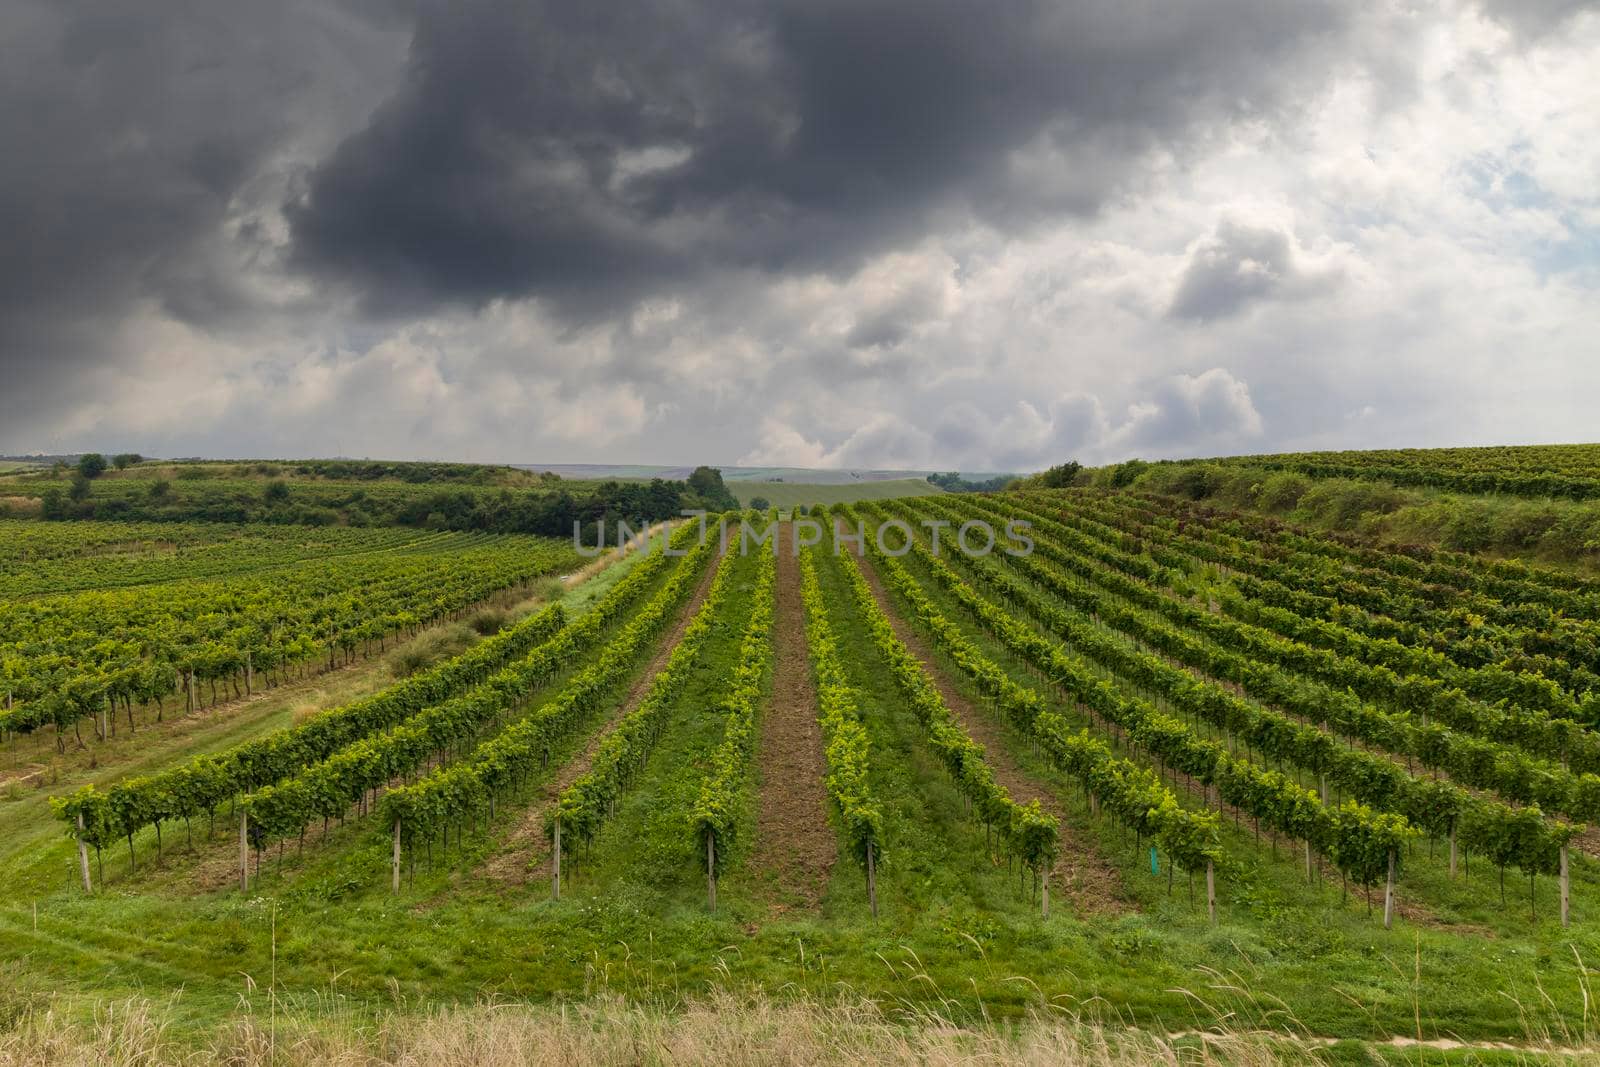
590,152
1241,265
130,131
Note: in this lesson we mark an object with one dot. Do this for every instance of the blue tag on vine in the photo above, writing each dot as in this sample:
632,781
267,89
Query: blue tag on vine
1155,864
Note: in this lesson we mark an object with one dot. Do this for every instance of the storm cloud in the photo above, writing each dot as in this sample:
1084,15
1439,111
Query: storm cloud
591,153
909,232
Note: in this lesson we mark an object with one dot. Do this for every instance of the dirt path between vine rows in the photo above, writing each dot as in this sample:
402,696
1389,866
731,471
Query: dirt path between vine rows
795,845
1081,874
524,855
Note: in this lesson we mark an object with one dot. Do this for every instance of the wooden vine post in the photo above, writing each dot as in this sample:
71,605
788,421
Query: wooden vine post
249,672
1388,894
396,880
1211,891
1567,887
555,883
872,881
244,852
1044,893
88,887
1452,848
711,870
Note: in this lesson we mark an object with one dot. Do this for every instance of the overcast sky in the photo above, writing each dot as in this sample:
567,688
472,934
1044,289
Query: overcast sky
916,233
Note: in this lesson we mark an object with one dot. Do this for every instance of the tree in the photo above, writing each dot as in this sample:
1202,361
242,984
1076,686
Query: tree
1061,475
706,483
160,489
760,503
52,505
80,487
1124,474
92,465
122,461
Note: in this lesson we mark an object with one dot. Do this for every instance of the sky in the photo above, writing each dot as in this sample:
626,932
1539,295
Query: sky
929,234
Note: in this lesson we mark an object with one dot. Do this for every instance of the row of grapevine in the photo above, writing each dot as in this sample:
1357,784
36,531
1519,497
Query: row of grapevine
845,745
1485,764
1451,630
1511,581
715,817
467,789
68,658
196,789
585,804
1429,699
1365,845
1283,578
46,558
1534,628
1131,793
329,788
1518,837
1507,482
1025,832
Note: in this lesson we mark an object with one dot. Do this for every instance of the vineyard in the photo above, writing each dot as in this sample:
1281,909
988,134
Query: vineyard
272,607
1569,472
993,751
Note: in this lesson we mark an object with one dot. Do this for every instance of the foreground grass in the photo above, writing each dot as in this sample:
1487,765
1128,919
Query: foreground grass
722,1029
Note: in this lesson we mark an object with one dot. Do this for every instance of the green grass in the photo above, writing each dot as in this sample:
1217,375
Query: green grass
790,494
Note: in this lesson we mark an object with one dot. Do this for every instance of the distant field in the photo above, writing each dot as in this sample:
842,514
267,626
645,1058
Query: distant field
788,494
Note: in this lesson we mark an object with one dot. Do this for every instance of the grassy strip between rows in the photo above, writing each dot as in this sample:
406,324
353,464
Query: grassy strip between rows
1024,831
845,745
584,805
1127,791
716,810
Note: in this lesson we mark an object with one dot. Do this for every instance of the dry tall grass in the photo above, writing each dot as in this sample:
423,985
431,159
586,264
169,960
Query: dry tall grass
721,1030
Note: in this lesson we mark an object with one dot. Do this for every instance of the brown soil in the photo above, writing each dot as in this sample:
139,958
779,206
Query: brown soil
795,845
523,856
1081,875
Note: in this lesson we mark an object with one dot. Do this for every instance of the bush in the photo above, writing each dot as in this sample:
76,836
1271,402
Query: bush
1522,525
1123,474
92,465
1469,530
488,622
1061,475
1282,491
1344,503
